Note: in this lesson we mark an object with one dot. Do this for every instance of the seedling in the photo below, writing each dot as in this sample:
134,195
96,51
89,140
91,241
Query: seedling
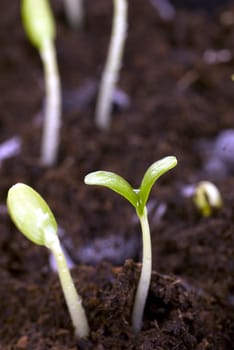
207,198
33,217
40,27
138,198
75,13
112,66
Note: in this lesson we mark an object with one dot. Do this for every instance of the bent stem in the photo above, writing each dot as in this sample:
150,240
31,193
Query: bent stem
73,300
145,277
50,137
112,67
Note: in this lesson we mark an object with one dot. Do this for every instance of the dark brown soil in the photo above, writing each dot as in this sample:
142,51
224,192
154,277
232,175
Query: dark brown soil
179,104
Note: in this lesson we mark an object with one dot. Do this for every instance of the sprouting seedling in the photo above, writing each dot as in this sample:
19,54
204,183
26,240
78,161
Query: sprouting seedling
138,198
75,13
33,217
112,66
207,198
40,27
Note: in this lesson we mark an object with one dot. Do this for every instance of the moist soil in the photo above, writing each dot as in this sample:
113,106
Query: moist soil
178,98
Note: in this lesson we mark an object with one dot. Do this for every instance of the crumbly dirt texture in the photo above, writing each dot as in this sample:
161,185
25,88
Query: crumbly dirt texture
176,76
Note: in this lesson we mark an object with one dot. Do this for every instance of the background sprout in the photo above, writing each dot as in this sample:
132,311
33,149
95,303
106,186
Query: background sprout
112,67
138,198
39,25
75,13
207,198
34,219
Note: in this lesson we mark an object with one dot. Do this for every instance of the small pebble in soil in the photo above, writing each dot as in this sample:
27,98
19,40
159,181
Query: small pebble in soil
212,56
218,155
114,248
10,148
121,100
165,9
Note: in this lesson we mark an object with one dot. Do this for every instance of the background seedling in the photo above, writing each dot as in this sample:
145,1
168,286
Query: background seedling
138,198
75,13
112,67
39,25
34,219
207,198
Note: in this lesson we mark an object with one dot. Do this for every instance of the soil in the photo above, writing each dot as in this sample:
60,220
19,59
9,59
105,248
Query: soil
177,77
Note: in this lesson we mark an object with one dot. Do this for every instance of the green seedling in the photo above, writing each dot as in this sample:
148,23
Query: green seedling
207,198
112,66
75,13
138,198
39,25
33,217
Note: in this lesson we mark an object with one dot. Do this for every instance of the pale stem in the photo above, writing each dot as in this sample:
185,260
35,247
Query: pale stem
52,121
145,277
73,300
75,13
113,64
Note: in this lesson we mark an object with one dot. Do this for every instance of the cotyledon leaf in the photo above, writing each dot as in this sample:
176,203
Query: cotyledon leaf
152,174
114,182
31,214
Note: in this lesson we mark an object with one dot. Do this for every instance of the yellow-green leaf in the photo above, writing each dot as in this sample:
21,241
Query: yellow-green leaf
156,170
31,214
114,182
38,21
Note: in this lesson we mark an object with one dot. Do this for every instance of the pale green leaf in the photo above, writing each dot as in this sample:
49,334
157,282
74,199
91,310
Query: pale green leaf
114,182
31,214
38,21
152,174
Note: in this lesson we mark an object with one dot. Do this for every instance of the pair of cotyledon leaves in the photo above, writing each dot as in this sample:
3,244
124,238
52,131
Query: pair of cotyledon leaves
137,197
34,219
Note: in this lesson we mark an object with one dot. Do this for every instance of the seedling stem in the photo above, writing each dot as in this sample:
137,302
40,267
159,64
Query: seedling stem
112,67
50,137
145,277
40,28
33,217
73,300
138,198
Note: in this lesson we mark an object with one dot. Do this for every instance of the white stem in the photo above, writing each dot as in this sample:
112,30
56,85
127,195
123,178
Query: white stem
113,64
73,300
145,277
75,13
50,137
